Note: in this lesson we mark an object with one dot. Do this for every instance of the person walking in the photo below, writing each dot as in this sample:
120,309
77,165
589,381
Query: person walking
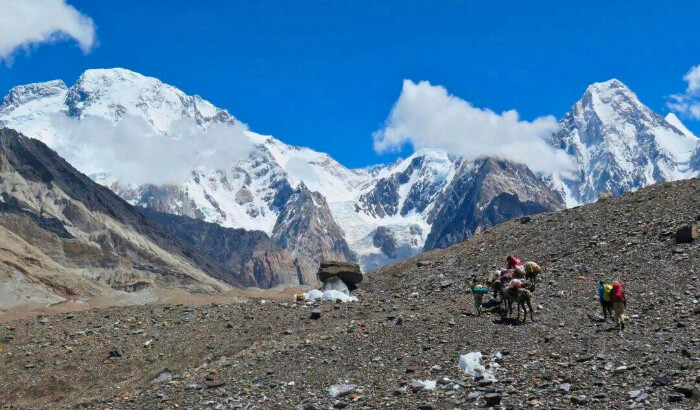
478,291
604,291
619,303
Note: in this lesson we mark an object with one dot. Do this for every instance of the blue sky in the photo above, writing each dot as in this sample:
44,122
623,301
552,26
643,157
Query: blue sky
325,74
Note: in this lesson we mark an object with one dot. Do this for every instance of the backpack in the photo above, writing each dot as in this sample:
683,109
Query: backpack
607,289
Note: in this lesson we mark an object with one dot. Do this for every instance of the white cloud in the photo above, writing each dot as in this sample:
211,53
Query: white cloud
132,152
427,116
27,23
688,103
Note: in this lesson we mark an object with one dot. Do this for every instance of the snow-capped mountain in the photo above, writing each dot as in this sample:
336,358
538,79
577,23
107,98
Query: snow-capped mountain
619,144
312,206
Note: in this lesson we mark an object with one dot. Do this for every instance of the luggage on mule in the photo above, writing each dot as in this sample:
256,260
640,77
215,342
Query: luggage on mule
480,289
532,267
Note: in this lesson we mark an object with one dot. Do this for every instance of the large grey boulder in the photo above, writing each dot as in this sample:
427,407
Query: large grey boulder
348,272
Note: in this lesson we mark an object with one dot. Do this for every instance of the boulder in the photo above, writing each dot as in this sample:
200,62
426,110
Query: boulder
348,272
687,234
492,399
605,196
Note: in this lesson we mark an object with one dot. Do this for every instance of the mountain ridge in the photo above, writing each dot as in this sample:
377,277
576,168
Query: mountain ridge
395,202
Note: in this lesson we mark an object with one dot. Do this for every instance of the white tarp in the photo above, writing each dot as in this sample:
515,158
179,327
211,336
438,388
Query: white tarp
334,289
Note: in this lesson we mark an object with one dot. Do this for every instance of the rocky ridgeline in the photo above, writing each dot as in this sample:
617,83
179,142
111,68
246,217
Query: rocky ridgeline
409,328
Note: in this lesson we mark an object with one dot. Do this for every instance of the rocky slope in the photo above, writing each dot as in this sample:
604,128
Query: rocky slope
68,237
411,323
250,255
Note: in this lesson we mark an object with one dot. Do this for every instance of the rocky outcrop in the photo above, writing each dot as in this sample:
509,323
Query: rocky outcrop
486,193
348,272
306,228
383,199
385,240
251,256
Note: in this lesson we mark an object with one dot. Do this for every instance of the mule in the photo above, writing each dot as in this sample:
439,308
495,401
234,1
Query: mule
523,298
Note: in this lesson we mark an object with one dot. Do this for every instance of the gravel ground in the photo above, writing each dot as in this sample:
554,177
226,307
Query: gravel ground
411,324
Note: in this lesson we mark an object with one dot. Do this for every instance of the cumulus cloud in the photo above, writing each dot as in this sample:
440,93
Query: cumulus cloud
27,23
132,152
427,116
688,103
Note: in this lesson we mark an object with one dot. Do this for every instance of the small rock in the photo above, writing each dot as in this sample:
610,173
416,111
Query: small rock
116,353
341,390
687,234
492,399
661,380
162,377
425,406
193,386
212,384
316,314
640,398
473,396
685,389
446,284
585,358
580,400
675,397
565,387
416,385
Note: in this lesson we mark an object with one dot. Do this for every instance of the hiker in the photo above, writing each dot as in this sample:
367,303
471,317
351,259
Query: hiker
478,291
513,262
604,290
619,303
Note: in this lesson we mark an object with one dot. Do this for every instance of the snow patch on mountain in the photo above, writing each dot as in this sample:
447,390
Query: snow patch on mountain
673,119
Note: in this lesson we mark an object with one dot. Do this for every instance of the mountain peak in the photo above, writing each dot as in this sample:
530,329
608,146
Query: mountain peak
24,93
672,119
104,80
116,72
609,89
